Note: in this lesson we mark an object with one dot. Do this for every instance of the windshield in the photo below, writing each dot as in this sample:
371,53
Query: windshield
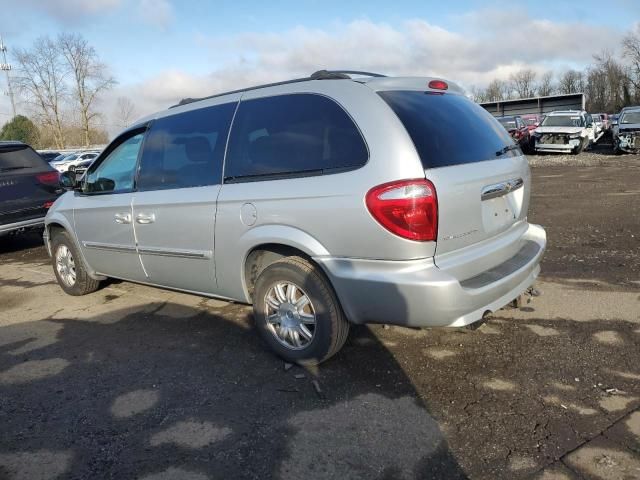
508,123
563,121
19,159
530,121
630,117
449,129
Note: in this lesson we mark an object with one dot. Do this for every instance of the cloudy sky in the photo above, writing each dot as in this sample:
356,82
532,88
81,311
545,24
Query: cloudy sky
163,50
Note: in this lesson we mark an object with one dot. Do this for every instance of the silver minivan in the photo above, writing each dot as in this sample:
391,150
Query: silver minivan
340,198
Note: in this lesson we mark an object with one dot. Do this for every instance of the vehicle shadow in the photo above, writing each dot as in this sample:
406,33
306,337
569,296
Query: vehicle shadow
26,243
165,390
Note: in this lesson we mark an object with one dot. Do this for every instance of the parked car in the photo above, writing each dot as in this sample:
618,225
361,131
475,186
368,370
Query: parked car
28,187
60,158
626,133
80,168
73,159
532,121
568,131
332,201
48,155
81,159
518,130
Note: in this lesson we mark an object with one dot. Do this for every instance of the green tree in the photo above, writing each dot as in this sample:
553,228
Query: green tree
20,128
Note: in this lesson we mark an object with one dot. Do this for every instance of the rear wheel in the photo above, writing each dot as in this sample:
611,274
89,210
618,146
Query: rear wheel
297,312
68,267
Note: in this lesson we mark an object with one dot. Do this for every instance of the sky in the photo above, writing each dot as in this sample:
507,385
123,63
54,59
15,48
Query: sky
160,51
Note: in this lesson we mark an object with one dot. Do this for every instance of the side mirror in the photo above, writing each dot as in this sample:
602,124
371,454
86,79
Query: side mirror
68,179
615,122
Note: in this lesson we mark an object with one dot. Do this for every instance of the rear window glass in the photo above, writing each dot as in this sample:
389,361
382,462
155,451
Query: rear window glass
292,134
449,129
19,159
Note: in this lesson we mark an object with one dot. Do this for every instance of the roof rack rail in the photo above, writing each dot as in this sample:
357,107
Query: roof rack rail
319,75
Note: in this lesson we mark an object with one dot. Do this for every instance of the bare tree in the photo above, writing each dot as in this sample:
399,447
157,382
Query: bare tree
41,80
522,83
631,51
496,90
125,111
607,84
89,74
545,85
571,81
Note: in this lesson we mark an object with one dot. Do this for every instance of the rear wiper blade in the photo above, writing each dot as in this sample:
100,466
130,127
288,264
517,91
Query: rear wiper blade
6,169
506,149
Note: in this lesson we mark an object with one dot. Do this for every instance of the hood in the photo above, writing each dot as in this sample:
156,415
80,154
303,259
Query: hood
569,130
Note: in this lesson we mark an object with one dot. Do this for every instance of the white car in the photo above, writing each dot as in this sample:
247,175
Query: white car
565,131
76,159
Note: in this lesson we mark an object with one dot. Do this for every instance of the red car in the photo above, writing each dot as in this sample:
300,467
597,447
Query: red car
532,121
518,130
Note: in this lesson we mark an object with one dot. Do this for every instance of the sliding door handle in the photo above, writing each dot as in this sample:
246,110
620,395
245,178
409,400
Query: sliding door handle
145,218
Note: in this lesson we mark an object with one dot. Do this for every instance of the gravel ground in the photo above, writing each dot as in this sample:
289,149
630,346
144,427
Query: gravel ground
136,382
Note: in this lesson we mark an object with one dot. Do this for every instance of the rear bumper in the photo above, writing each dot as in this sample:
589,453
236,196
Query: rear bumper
11,227
419,294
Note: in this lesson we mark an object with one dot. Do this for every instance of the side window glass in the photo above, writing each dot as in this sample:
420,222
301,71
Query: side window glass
185,149
296,133
116,172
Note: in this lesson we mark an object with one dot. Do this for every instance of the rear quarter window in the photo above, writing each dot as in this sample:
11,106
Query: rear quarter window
448,129
292,134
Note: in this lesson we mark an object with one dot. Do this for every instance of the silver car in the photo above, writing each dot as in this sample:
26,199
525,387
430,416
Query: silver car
337,199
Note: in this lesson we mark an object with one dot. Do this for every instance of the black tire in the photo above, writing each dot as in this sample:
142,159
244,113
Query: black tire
83,283
331,327
581,147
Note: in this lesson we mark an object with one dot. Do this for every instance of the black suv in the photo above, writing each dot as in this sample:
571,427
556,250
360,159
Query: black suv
28,187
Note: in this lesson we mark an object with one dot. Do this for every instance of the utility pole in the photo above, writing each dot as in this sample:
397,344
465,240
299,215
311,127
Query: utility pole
6,67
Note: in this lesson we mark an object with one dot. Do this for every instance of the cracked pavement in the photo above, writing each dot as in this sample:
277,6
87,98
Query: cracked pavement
137,382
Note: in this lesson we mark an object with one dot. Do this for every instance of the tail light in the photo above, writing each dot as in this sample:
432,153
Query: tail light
48,178
47,205
407,208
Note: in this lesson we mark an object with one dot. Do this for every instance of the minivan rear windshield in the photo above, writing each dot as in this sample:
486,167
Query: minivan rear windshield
20,159
449,129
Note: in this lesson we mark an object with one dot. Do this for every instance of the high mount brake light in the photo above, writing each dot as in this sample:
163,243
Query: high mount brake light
407,208
438,85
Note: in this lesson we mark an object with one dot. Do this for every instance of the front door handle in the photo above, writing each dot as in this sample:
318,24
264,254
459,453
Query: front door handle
122,218
145,218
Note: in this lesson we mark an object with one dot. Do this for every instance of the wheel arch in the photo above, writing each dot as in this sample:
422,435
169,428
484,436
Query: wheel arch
60,224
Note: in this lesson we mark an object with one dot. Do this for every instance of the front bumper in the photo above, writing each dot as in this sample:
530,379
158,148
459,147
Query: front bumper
417,293
554,147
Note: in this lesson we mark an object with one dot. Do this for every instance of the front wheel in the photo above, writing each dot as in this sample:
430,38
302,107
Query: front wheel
297,312
68,267
583,144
